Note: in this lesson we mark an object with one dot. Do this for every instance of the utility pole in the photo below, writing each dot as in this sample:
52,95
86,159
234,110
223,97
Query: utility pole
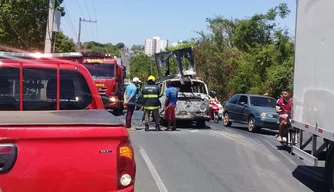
49,27
79,33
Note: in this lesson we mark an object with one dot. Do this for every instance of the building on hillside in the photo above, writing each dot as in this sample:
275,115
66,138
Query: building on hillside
155,45
149,47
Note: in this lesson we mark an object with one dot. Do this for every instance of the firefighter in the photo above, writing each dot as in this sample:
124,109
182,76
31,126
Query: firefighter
151,94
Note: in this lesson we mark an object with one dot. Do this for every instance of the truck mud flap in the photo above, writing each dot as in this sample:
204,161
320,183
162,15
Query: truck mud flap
304,155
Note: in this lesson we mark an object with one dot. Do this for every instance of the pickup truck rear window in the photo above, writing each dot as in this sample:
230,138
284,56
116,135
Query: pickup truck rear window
40,89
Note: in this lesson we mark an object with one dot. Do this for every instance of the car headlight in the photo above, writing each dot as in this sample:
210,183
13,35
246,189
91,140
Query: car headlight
112,99
266,115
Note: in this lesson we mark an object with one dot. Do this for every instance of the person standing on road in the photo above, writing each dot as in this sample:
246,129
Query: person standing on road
151,102
130,96
170,105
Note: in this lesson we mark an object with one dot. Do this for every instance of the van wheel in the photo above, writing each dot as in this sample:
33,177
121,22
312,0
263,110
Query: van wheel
252,126
200,124
227,121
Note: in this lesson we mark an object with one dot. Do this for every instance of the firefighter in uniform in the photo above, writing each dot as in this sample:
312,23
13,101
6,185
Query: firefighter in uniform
151,94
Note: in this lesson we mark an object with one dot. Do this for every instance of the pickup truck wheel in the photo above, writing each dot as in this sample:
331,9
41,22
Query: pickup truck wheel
252,125
227,121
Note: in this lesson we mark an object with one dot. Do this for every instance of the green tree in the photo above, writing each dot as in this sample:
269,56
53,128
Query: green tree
137,48
250,55
108,48
64,44
140,67
22,28
120,45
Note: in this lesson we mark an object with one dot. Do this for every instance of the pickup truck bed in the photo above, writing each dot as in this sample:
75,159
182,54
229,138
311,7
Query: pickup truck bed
78,150
66,117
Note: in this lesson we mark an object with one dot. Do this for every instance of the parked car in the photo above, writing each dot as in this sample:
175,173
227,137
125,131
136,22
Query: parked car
256,111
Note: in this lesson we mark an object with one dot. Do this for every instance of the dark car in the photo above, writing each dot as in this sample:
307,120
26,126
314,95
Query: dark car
256,111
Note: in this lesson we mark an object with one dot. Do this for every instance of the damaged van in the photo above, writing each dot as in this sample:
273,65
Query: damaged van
193,98
192,102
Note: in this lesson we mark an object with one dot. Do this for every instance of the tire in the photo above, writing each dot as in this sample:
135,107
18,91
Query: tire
200,124
226,120
251,125
216,117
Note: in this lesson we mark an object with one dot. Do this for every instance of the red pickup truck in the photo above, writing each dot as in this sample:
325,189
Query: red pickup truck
48,140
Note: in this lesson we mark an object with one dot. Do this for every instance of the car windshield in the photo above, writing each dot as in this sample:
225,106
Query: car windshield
196,87
101,70
262,101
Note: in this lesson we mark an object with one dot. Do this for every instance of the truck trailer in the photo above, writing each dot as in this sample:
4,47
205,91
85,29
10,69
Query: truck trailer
313,88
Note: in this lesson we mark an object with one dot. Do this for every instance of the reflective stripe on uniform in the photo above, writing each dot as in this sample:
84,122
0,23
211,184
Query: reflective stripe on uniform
151,107
151,96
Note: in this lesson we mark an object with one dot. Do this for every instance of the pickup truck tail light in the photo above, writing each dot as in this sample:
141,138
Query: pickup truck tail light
8,155
126,166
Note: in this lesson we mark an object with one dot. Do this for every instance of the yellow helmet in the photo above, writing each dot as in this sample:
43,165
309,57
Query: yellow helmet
151,78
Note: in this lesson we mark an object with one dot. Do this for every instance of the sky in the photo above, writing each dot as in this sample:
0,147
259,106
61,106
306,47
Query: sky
133,21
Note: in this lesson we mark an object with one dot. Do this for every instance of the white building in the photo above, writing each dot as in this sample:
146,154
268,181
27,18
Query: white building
162,45
155,45
149,47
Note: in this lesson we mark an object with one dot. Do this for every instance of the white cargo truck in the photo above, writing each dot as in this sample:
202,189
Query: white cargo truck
313,92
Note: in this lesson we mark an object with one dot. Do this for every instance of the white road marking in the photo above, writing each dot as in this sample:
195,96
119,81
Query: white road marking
155,175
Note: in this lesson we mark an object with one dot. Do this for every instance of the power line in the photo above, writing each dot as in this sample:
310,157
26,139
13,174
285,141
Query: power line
97,35
91,28
69,21
87,9
80,8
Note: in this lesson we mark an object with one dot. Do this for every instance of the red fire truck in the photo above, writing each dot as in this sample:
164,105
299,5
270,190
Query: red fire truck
108,74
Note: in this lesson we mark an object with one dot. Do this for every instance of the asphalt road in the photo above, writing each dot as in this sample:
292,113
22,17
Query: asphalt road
217,159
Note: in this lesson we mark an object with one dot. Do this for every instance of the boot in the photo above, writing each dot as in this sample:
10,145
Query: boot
146,127
157,128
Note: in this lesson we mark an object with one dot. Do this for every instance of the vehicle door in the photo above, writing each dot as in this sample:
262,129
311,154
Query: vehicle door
231,107
162,99
242,108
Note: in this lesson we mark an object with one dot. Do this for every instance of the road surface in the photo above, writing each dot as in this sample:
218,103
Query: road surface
216,159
